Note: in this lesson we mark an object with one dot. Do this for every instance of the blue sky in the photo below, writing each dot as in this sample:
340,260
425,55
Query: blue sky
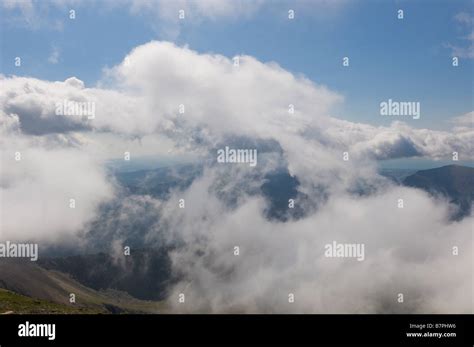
407,59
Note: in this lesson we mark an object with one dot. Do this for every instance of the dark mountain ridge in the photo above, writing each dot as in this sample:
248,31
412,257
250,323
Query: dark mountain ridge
454,182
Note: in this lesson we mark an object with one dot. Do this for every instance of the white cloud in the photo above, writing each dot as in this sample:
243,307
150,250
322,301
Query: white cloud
466,119
140,98
466,50
54,55
197,10
252,100
464,18
31,14
403,247
26,7
36,191
163,15
34,14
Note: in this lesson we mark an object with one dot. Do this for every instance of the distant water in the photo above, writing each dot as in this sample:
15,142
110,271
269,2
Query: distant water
419,164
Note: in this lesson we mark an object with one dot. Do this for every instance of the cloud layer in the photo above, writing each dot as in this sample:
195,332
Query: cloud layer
223,102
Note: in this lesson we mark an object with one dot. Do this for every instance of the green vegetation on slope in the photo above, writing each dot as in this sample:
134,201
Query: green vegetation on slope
14,303
50,287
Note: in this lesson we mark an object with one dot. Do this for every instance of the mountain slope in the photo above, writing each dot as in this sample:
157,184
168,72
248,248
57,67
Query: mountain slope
14,303
145,274
29,279
453,181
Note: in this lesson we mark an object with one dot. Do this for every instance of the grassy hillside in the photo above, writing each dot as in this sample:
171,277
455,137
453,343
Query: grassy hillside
51,290
14,303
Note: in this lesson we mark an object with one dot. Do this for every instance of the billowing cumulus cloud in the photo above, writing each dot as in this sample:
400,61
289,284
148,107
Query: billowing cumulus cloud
196,103
143,96
36,191
405,252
